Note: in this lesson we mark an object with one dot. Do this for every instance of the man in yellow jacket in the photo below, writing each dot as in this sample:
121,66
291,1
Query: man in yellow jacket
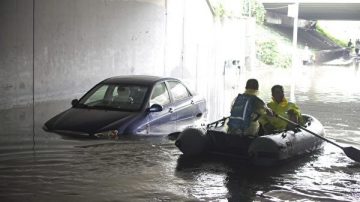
279,105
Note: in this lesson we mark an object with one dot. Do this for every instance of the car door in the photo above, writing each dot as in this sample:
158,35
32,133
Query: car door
183,103
162,122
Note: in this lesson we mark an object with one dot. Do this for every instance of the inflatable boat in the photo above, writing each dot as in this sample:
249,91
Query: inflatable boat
264,150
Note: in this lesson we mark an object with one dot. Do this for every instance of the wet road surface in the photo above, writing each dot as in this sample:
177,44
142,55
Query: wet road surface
43,166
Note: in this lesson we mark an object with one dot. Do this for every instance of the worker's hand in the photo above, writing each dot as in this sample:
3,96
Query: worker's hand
291,112
292,116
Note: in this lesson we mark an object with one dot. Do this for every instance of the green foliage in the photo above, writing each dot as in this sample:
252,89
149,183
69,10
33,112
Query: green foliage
219,10
283,61
267,52
332,38
257,10
222,9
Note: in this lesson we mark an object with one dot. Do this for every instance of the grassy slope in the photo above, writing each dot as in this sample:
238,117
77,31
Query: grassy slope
342,30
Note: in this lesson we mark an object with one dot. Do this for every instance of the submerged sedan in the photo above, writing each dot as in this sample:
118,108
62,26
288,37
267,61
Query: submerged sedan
131,105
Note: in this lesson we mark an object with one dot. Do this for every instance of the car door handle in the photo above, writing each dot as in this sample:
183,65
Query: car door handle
171,110
192,102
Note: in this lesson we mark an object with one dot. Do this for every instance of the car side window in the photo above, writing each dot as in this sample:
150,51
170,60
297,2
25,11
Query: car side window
160,95
178,90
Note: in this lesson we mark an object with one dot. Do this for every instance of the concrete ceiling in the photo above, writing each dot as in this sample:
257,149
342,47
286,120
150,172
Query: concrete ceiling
318,10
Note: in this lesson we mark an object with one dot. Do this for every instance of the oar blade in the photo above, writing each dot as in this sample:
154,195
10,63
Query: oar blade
352,153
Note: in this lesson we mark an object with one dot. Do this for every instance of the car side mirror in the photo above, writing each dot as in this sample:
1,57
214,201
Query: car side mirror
155,108
74,102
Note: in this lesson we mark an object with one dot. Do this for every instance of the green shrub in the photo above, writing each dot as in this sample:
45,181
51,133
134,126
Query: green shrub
267,52
257,10
221,10
283,61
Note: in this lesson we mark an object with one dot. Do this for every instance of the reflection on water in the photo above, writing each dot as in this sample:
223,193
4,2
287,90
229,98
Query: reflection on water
48,167
329,84
326,179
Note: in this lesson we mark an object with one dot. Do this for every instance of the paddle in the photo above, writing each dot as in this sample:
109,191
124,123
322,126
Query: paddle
350,152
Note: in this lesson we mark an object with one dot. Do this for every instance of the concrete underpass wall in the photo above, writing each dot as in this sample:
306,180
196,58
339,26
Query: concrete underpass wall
16,52
79,43
200,47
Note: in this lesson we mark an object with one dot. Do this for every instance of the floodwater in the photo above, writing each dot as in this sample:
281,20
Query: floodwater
40,166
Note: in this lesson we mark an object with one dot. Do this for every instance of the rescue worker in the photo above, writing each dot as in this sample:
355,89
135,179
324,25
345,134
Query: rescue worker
349,44
357,47
246,110
279,105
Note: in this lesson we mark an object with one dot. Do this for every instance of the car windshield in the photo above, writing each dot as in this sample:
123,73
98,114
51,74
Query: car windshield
115,96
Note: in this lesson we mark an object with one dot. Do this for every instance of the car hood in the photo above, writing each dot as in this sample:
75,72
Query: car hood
89,120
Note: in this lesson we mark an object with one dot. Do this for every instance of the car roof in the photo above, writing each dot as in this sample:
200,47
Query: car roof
136,79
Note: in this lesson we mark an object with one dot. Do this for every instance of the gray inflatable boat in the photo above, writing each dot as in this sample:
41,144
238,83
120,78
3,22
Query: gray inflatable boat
263,150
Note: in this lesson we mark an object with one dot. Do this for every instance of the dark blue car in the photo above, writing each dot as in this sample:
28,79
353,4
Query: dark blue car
131,105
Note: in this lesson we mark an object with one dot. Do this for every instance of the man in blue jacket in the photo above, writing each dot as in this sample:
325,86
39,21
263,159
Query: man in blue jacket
246,109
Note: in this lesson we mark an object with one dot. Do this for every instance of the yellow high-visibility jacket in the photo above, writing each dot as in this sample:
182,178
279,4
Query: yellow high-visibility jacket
281,109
